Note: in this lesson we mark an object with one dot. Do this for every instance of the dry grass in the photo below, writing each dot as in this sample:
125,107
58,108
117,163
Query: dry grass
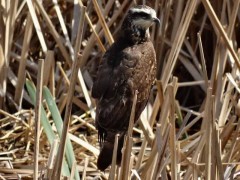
190,128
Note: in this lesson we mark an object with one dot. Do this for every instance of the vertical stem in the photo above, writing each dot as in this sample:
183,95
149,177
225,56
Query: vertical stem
75,68
127,148
38,116
23,60
114,159
172,134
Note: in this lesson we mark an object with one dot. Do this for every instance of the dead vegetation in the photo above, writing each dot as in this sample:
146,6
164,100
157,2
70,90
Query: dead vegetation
190,128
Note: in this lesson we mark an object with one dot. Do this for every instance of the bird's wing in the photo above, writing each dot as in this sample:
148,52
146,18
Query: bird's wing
111,73
102,81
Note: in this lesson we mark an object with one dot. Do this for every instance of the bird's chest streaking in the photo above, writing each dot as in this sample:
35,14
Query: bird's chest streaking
138,69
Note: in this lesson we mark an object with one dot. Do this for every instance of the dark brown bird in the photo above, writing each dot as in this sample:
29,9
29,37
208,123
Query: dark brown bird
129,65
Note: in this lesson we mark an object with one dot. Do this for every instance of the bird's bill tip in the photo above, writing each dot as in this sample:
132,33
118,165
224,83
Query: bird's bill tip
156,20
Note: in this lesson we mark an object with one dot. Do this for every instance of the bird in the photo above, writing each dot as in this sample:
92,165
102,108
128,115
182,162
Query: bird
128,66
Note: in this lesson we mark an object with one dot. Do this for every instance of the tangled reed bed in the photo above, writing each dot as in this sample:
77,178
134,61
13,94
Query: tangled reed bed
190,128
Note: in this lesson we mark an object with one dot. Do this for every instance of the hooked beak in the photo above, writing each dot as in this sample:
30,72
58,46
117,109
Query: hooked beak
156,20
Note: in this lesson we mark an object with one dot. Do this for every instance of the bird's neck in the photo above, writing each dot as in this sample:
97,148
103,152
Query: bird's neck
135,34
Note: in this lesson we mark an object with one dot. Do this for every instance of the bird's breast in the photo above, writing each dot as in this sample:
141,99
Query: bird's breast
139,68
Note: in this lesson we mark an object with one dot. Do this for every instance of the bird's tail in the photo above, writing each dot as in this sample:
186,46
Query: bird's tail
106,153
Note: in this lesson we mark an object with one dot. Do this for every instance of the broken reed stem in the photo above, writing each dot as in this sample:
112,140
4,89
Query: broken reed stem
73,169
114,159
213,138
157,104
147,130
8,115
163,120
145,167
173,134
85,168
208,128
203,140
160,94
80,76
38,116
84,144
141,154
203,61
125,166
75,68
61,151
59,65
48,65
78,43
128,142
132,116
161,146
218,154
52,156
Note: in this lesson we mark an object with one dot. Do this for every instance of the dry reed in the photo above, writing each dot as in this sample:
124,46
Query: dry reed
190,127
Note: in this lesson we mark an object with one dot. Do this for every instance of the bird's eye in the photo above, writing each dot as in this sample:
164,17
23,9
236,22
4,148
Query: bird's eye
143,15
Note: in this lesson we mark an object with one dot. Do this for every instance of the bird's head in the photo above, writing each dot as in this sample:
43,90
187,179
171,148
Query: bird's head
137,22
142,16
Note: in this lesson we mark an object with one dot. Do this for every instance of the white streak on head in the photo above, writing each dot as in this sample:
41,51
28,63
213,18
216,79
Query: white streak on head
141,22
145,9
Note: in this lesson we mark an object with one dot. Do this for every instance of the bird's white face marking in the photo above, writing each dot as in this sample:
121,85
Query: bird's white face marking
144,22
152,12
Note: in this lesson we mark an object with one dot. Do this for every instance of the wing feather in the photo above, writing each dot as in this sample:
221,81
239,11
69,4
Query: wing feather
103,80
119,75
